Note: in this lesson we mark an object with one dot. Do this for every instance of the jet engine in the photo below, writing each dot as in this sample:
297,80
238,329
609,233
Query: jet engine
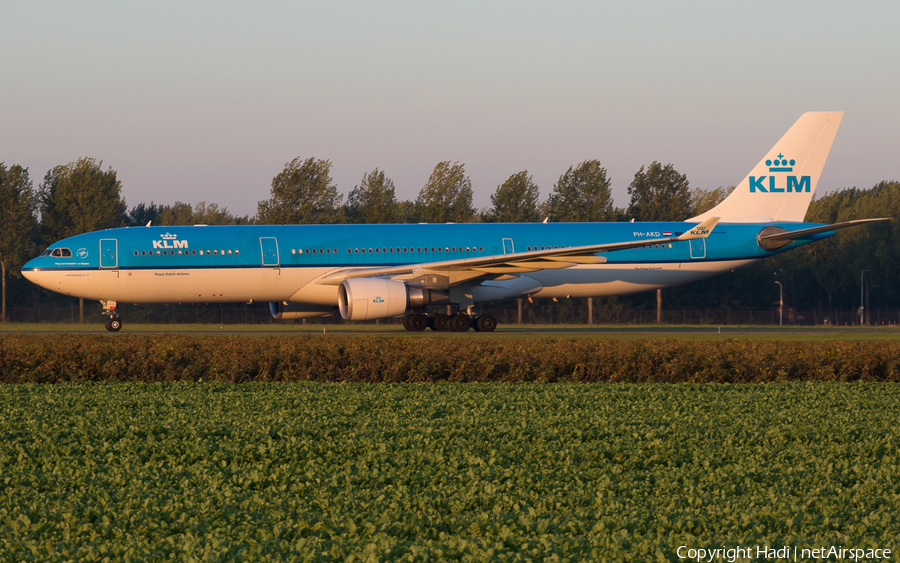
364,299
286,311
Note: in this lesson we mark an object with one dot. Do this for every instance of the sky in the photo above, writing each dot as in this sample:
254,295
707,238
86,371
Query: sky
207,101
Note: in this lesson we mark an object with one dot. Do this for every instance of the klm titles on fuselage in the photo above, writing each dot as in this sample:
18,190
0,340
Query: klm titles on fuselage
780,164
169,241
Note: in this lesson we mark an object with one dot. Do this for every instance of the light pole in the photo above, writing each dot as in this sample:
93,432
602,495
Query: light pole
862,305
780,304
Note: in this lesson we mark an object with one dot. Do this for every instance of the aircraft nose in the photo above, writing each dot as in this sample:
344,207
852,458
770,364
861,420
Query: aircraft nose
29,269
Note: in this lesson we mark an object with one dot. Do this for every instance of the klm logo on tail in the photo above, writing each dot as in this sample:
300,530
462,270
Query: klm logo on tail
780,164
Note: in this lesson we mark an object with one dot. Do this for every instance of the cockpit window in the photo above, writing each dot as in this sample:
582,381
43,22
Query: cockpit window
60,253
56,252
45,253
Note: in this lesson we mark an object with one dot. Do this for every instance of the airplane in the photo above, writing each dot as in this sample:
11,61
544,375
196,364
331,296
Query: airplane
365,272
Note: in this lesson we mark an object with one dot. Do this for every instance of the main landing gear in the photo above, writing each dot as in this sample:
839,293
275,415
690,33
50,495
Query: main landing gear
113,323
460,322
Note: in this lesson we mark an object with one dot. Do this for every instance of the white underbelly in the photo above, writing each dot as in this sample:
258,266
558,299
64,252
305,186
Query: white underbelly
603,280
213,285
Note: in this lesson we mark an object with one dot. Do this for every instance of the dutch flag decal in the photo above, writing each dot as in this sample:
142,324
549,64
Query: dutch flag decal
667,234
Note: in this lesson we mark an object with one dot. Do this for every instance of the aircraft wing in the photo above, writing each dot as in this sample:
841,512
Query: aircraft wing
519,262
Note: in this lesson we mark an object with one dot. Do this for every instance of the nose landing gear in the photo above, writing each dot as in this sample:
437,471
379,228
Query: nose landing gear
113,323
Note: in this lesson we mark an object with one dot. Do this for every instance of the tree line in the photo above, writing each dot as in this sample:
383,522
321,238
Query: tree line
81,196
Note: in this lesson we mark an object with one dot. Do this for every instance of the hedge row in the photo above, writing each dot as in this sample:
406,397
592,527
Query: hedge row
36,358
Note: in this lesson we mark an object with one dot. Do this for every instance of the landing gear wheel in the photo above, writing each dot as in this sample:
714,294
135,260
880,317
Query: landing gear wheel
440,322
417,323
459,322
113,325
406,322
485,323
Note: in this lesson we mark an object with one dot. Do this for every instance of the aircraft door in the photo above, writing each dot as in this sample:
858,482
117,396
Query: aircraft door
698,248
269,246
508,246
109,257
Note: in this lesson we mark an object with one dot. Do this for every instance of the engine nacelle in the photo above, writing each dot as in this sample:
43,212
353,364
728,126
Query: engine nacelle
365,299
286,311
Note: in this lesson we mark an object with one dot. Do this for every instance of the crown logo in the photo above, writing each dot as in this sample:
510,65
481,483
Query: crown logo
168,236
781,164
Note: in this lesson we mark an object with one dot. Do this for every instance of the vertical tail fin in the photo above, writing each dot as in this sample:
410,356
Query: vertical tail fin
782,185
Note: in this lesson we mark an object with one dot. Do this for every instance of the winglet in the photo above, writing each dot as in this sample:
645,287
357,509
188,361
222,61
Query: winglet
702,230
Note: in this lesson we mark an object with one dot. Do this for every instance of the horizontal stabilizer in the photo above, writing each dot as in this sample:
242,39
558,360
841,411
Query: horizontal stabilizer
773,238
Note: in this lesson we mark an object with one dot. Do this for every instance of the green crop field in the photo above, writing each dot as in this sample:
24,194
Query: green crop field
512,331
198,471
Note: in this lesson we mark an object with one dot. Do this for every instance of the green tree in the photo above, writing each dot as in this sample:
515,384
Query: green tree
704,200
582,194
447,196
302,193
201,214
18,226
80,197
515,201
659,193
141,214
373,200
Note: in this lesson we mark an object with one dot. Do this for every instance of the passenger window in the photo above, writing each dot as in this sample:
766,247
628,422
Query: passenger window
143,252
179,253
439,249
314,251
335,250
321,251
229,252
480,249
157,252
201,253
391,250
293,251
370,251
377,251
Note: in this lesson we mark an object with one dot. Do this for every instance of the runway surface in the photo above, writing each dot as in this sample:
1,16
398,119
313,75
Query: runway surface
855,333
